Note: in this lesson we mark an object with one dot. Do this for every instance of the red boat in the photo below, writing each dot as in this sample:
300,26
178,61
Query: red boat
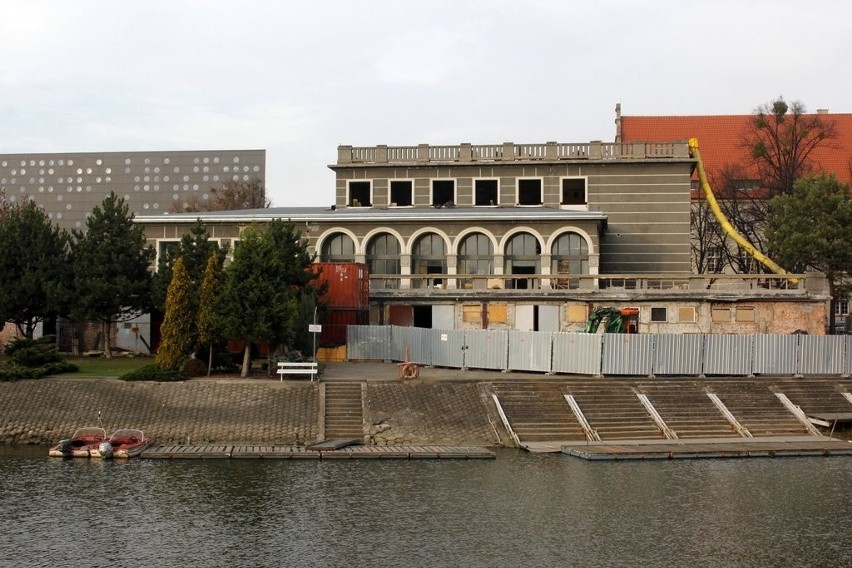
126,443
80,445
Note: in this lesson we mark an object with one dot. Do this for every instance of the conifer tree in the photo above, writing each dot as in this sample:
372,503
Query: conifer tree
205,322
112,280
176,340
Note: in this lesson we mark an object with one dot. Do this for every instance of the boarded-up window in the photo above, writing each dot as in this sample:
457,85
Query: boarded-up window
498,313
472,313
659,314
577,313
721,315
686,314
745,314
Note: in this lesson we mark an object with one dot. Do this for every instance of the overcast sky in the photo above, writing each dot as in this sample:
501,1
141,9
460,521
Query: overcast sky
299,78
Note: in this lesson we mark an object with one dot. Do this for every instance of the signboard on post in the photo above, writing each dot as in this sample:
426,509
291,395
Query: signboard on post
314,328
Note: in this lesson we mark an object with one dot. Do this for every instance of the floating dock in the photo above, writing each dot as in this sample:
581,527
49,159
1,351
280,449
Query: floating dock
762,447
300,452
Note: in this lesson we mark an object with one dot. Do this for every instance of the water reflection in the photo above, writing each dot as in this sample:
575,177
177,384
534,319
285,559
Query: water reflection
518,510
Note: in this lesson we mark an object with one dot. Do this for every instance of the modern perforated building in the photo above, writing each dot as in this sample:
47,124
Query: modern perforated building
69,185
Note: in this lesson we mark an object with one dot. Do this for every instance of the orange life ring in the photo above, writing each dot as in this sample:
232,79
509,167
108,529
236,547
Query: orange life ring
410,371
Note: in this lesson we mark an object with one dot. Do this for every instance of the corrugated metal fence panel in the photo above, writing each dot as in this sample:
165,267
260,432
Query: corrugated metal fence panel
848,346
368,342
486,349
416,340
530,350
627,354
448,347
399,342
822,354
678,354
577,353
727,354
775,354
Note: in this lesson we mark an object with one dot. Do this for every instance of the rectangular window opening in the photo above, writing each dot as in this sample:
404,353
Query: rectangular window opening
443,192
485,192
529,192
659,315
745,314
574,191
360,194
721,315
401,193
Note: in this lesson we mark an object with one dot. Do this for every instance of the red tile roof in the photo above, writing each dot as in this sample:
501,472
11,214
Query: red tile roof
719,139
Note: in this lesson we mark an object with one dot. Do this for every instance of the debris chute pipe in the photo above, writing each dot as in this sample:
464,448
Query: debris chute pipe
723,221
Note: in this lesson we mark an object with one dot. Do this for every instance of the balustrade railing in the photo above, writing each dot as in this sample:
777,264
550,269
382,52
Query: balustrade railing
756,283
509,151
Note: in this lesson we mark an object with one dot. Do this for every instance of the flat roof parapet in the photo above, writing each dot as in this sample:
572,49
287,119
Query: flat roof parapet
595,151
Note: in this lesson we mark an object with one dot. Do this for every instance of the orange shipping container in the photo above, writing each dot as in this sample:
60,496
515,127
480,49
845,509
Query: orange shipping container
348,284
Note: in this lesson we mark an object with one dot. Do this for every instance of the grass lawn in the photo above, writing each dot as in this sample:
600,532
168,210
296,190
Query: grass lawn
103,367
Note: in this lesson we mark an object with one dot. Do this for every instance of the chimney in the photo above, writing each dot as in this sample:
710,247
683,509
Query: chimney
822,111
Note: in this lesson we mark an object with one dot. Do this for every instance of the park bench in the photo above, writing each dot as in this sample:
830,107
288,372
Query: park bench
293,368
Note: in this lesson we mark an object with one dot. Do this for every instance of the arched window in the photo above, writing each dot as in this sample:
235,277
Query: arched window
338,248
569,255
476,256
383,258
523,256
428,256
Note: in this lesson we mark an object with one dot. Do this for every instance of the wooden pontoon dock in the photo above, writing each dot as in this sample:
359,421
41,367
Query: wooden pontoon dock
300,452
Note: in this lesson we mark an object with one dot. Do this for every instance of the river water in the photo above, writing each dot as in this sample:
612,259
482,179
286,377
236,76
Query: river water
518,510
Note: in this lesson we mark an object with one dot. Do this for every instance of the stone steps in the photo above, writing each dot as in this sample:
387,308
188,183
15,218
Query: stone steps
344,413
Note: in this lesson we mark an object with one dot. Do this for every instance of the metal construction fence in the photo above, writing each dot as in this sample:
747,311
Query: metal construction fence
605,354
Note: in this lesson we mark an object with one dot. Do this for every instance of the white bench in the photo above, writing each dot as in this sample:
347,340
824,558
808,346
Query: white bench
291,368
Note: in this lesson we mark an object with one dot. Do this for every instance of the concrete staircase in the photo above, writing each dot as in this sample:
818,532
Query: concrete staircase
613,410
756,407
687,410
537,411
343,410
817,396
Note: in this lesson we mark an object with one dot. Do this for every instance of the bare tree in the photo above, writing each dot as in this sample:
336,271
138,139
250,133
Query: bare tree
233,195
780,141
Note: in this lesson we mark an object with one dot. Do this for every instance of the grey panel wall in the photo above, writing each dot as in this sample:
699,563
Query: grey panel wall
448,347
371,342
608,354
530,350
487,349
728,354
625,354
577,353
775,354
677,354
819,355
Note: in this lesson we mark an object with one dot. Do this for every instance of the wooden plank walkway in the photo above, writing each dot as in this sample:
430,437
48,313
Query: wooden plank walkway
762,447
300,452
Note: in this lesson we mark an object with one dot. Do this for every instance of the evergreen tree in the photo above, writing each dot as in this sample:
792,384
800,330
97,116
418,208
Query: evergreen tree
111,260
811,229
34,268
205,319
176,340
260,299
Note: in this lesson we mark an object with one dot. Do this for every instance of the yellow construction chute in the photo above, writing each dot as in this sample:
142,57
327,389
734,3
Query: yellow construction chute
723,221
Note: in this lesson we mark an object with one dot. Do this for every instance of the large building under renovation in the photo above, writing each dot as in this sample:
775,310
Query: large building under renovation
525,237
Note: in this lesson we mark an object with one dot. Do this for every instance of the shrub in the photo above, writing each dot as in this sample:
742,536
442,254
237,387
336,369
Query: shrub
154,372
33,352
16,372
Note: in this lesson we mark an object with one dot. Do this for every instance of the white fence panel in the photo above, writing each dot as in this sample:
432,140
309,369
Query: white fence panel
577,353
775,354
822,354
487,349
627,354
678,354
530,350
728,354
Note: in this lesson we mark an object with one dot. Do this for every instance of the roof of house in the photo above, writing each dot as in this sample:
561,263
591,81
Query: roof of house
720,137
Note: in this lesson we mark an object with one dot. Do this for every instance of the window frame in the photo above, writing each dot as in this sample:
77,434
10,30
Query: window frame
518,182
432,183
395,204
350,198
496,189
574,206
